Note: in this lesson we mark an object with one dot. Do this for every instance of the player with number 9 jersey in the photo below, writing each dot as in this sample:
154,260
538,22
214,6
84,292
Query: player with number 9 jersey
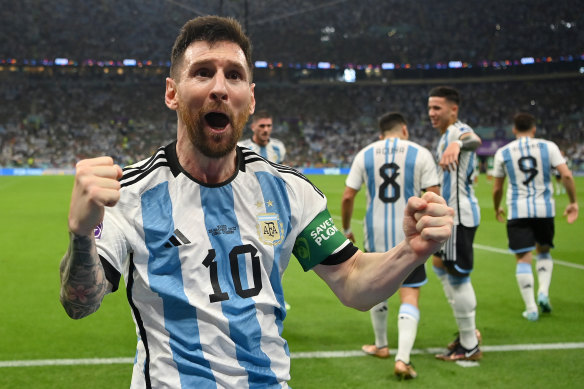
528,162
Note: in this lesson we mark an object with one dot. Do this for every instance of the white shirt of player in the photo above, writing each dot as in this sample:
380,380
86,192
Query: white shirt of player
392,170
274,151
457,186
528,162
203,268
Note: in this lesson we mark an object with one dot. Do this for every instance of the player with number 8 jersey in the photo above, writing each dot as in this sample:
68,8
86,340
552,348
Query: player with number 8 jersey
392,170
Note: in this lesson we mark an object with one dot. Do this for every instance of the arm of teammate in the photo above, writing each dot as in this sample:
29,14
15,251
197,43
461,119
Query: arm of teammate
83,281
497,197
368,278
347,205
467,142
571,212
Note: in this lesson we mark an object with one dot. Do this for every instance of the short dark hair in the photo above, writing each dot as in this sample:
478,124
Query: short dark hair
211,29
388,121
523,121
448,92
262,114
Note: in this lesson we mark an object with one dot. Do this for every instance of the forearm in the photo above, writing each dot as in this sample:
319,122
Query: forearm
568,182
497,196
83,281
374,277
346,212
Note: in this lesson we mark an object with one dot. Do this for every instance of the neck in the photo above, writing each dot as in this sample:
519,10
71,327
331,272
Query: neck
390,136
529,134
451,122
205,169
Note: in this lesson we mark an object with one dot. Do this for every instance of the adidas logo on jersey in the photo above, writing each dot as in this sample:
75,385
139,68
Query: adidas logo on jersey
177,239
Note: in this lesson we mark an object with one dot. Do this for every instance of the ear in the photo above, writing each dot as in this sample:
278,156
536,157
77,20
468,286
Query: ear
171,95
405,133
253,101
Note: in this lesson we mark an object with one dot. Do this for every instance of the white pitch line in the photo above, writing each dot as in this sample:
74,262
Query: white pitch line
493,249
502,251
297,355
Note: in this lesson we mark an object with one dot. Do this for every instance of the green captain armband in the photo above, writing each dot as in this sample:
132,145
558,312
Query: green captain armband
318,241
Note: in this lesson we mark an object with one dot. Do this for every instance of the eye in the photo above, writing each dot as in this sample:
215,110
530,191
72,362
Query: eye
202,72
234,75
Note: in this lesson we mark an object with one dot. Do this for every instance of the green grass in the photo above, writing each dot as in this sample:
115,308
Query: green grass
33,325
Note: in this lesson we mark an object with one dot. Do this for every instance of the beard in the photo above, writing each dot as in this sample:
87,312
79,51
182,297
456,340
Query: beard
214,145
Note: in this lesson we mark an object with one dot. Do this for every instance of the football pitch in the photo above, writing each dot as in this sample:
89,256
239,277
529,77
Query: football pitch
40,347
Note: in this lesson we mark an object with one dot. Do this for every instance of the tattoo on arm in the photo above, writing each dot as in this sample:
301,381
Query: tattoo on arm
83,281
470,142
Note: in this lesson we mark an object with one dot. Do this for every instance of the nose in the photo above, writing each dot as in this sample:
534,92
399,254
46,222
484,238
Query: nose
219,88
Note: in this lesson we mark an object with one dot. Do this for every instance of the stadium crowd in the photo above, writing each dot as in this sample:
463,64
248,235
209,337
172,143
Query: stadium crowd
55,120
52,118
367,31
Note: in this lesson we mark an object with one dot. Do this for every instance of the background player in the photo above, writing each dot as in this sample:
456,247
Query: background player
529,162
454,263
261,141
392,169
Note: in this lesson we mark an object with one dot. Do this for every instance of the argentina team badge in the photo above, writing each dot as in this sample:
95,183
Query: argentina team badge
270,229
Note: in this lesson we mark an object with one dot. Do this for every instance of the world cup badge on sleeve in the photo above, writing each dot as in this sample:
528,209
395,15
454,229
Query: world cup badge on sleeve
98,230
270,229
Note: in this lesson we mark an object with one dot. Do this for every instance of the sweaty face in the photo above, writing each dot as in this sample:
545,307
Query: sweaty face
441,112
262,129
213,97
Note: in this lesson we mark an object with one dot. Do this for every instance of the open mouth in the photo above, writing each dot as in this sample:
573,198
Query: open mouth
217,120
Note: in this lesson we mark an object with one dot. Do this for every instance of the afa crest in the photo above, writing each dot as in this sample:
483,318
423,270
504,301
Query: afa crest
270,229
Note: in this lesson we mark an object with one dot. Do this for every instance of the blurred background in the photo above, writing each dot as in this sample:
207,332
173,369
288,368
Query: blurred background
86,78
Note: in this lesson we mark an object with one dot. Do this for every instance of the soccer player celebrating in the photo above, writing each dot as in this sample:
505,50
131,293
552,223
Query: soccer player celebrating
529,163
202,231
393,169
454,262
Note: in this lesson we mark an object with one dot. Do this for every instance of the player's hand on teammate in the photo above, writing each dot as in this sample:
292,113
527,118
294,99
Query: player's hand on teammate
96,186
428,223
571,213
449,160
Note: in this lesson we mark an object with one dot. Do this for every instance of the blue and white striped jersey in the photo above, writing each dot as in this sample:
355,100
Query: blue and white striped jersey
457,186
393,170
203,268
274,151
529,163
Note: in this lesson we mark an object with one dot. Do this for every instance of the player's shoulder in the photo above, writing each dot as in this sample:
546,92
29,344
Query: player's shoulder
245,142
276,142
459,127
252,164
141,173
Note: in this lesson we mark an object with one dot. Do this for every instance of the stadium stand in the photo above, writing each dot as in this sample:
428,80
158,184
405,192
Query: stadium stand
51,116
